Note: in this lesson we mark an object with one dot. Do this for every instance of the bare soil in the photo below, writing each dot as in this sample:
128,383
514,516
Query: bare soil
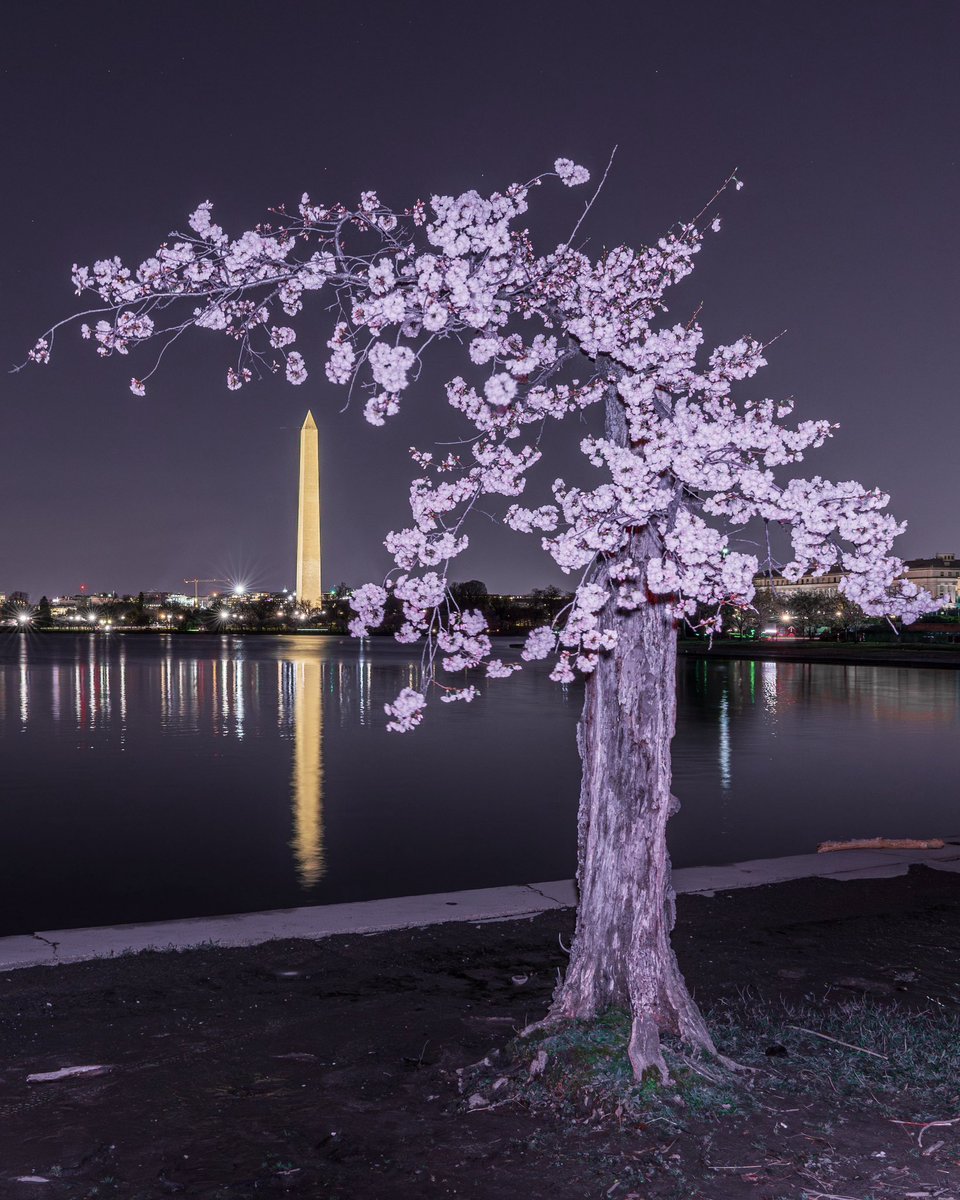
330,1069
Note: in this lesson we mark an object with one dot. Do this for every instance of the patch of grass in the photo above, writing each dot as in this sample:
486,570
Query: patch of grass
913,1068
915,1056
588,1074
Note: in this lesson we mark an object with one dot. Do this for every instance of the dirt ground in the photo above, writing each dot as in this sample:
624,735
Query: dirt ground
330,1069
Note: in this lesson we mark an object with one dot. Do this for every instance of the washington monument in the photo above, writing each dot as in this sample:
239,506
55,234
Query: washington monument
308,523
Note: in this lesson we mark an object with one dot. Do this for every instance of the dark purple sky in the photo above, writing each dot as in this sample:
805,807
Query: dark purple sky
119,118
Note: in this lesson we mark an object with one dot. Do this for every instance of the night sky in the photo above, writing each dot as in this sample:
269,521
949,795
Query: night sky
120,118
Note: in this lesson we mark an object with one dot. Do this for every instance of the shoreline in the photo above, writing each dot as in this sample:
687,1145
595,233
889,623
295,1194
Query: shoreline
838,653
58,947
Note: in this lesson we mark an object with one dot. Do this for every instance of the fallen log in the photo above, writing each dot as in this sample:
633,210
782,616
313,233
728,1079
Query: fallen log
880,843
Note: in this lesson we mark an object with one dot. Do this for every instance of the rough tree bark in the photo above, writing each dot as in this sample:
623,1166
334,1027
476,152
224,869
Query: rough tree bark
621,954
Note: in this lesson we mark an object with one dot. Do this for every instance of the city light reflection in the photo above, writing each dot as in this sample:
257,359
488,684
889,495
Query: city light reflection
24,694
768,678
725,740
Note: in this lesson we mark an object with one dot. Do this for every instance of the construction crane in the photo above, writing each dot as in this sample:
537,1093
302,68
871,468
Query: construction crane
196,587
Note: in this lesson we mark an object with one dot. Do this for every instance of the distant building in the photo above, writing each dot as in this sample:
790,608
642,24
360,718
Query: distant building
828,583
940,576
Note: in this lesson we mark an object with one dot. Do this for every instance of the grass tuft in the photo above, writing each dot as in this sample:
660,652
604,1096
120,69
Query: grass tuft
587,1072
920,1063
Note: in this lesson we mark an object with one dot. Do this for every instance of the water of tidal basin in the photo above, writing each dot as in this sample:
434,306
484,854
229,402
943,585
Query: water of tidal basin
156,777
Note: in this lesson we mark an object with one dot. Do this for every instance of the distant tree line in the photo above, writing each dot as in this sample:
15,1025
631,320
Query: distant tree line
276,612
809,614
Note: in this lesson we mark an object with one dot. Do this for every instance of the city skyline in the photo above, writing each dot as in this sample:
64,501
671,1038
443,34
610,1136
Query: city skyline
937,573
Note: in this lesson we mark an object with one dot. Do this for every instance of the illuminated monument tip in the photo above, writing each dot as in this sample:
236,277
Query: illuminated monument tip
308,524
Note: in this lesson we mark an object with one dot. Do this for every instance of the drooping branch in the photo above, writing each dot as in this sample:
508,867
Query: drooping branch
548,335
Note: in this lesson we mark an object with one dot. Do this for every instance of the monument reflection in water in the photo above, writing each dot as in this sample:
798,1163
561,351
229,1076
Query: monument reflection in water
152,777
305,677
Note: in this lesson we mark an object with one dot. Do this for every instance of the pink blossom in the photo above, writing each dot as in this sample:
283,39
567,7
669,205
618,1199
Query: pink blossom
390,364
368,602
540,643
381,277
570,174
464,641
281,336
563,672
406,711
199,221
497,669
378,408
500,390
40,352
296,371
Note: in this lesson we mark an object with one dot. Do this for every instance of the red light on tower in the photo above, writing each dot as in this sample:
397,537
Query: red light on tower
83,587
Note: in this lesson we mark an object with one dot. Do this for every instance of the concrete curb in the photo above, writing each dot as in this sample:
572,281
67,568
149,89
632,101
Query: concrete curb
53,947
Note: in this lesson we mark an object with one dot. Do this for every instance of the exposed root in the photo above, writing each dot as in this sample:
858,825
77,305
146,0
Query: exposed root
546,1024
702,1068
644,1049
736,1068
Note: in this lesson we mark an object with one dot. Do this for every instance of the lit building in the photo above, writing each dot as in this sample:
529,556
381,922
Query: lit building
155,599
827,583
940,576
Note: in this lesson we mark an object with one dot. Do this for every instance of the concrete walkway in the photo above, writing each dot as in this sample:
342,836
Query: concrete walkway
52,947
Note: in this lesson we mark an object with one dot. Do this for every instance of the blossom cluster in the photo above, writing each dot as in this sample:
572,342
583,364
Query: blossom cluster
547,335
406,712
464,641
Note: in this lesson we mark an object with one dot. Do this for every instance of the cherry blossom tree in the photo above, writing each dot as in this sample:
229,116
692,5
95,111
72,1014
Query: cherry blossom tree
683,468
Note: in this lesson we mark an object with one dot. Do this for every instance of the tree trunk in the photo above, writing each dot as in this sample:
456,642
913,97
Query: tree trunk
621,954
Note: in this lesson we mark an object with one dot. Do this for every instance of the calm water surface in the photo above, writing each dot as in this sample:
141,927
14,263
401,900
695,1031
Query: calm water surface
155,777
